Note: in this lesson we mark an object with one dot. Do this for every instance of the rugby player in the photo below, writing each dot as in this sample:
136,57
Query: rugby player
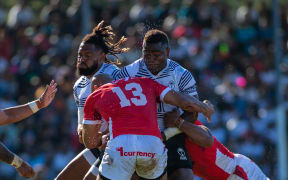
91,61
16,114
156,65
135,140
216,161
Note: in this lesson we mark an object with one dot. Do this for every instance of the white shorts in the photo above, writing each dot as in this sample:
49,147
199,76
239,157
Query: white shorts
126,154
246,169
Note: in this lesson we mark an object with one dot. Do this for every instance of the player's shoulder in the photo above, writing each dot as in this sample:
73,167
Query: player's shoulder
81,82
133,67
129,70
110,66
176,67
183,75
173,64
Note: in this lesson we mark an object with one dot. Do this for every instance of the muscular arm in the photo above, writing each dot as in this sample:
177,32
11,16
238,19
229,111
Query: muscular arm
199,134
91,135
22,167
188,103
190,116
15,114
5,155
18,113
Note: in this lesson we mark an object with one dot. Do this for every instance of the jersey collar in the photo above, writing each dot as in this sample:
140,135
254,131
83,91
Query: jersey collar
157,75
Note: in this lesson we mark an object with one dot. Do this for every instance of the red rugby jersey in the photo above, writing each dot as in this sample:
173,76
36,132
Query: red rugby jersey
129,106
211,163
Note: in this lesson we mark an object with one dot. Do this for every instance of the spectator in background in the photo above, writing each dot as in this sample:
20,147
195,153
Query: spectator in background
20,14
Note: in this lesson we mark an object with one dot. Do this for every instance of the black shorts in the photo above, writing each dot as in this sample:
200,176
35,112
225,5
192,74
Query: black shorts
96,152
99,159
177,154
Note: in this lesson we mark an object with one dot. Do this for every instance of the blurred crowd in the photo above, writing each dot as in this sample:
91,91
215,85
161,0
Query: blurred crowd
228,50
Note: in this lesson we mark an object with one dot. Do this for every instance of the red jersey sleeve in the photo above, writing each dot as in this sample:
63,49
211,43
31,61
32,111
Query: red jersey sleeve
197,122
160,89
91,115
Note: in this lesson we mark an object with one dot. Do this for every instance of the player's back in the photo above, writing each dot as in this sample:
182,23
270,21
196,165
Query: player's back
130,106
214,162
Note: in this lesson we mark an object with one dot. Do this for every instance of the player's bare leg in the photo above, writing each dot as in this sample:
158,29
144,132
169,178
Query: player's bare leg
92,173
76,169
181,174
135,177
89,176
99,178
164,177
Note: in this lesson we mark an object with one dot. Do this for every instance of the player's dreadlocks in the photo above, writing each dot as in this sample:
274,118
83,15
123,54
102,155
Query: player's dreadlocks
103,37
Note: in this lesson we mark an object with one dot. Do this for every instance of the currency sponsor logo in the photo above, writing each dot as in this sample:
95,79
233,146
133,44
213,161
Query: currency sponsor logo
135,153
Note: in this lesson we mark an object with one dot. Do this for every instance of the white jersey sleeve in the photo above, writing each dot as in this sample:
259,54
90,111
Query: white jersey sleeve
78,91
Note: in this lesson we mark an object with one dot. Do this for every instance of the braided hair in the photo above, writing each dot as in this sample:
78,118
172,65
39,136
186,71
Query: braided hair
103,37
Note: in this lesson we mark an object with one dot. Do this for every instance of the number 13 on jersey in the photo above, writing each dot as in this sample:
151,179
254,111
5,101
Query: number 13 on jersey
139,98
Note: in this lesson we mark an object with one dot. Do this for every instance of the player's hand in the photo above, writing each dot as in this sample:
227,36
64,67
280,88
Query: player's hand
79,131
25,170
170,118
105,138
210,110
48,95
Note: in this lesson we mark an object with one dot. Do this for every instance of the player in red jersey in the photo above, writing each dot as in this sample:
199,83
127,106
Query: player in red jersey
215,162
135,139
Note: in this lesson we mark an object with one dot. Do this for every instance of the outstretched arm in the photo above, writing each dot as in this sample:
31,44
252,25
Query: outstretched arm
189,103
18,113
5,155
22,167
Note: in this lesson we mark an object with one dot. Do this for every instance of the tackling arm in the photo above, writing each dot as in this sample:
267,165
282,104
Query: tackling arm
190,116
197,133
189,103
18,113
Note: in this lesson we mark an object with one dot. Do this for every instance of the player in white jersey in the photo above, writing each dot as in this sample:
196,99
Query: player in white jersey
91,61
155,65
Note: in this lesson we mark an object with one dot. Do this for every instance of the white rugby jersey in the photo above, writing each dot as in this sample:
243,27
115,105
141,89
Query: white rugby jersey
173,75
82,87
